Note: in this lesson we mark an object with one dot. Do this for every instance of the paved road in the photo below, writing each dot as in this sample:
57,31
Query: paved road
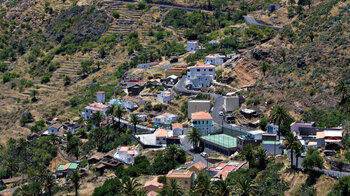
187,146
219,102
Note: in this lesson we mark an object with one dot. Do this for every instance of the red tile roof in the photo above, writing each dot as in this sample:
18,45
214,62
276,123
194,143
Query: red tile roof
177,126
161,133
179,174
201,115
199,165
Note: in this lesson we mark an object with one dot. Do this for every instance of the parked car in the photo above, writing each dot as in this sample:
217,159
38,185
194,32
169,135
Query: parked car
221,113
204,154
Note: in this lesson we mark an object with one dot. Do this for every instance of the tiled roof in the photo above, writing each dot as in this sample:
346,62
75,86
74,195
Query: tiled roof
96,106
56,126
134,99
179,174
201,115
177,126
154,182
163,115
199,165
124,148
100,92
66,166
161,133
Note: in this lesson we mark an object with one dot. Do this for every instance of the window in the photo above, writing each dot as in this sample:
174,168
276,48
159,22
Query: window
207,122
186,182
194,122
198,70
210,69
205,69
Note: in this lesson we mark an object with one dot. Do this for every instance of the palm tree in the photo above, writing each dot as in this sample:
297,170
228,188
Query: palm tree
49,182
111,111
298,150
245,187
97,117
75,178
134,120
204,186
172,189
343,89
119,112
130,187
278,116
261,156
264,67
194,136
33,94
222,188
248,154
173,153
290,142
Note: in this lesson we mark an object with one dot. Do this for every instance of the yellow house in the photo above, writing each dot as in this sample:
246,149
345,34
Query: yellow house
197,167
184,177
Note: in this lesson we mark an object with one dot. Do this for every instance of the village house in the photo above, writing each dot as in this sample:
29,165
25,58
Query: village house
134,82
65,170
170,81
200,76
93,108
231,103
132,103
273,129
165,118
244,140
192,46
53,129
199,166
135,89
184,177
177,129
142,117
330,139
125,154
203,122
161,135
214,59
198,106
155,82
101,97
152,186
116,102
294,127
165,96
222,170
71,127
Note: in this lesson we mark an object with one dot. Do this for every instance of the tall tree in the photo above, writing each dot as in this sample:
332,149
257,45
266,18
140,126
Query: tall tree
97,118
204,186
111,112
264,67
245,187
312,159
248,154
278,116
173,153
290,143
298,150
134,120
75,178
222,188
194,136
34,94
261,157
49,182
342,88
130,187
119,112
172,189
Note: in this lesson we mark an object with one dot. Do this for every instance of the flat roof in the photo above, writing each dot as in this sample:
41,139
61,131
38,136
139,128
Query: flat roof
222,140
73,166
60,167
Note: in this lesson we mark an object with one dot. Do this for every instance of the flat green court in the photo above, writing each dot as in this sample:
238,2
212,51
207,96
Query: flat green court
271,142
222,140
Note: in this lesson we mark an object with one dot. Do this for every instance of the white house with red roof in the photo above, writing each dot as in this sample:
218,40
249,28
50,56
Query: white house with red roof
165,118
125,154
165,96
199,76
214,59
93,108
202,121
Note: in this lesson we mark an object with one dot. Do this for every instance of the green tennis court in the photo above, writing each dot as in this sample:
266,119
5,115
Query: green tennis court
222,140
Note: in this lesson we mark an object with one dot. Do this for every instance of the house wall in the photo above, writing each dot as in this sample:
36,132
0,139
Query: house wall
101,97
205,126
161,140
178,131
200,77
187,183
198,106
192,46
231,103
214,61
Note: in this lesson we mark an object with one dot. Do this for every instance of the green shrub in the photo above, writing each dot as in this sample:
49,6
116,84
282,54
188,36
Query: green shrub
116,14
45,79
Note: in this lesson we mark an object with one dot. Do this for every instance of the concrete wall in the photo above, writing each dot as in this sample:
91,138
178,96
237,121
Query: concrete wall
198,106
231,103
